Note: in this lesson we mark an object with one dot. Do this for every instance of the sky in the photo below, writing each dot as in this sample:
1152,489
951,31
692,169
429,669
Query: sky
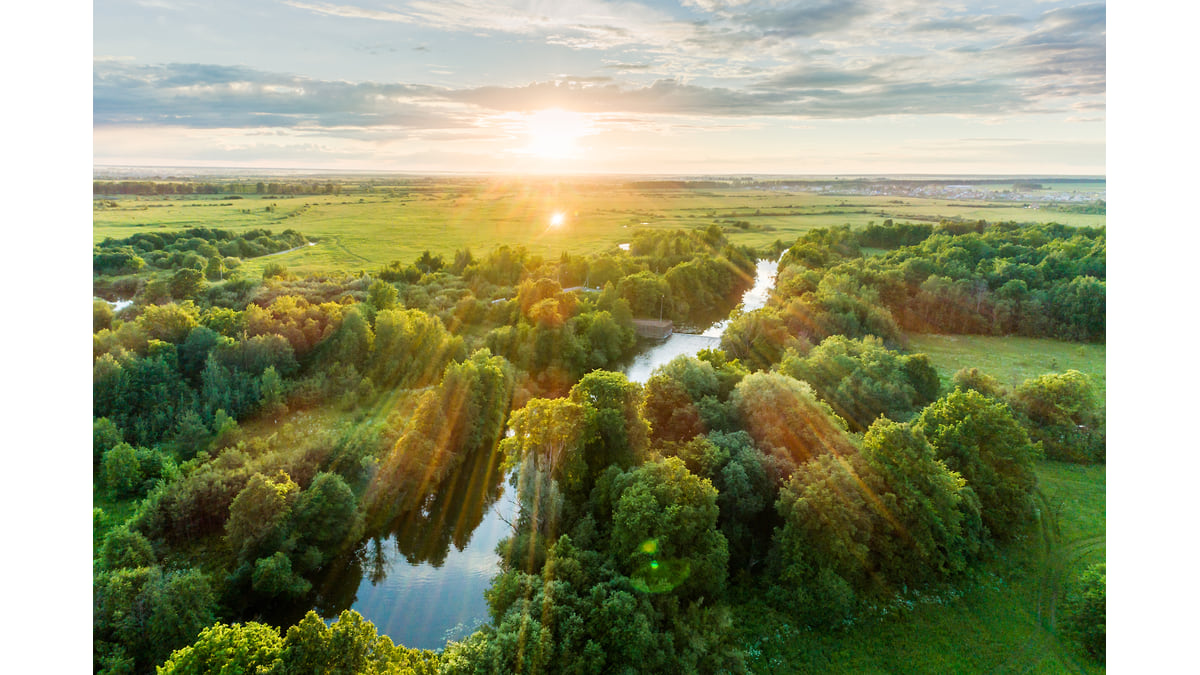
601,86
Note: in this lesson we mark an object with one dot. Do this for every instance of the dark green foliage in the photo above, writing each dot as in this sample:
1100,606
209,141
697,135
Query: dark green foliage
664,531
1035,280
105,436
121,471
978,438
273,577
1085,613
862,379
325,514
187,283
191,248
1062,412
928,525
614,429
825,542
579,616
123,548
139,615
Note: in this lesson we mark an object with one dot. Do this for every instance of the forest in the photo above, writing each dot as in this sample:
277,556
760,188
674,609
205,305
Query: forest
251,432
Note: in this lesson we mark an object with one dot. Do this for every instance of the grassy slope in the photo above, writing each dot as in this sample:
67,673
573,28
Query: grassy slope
1012,360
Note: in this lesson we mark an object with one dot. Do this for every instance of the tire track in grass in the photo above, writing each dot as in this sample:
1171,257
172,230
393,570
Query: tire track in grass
1054,559
352,254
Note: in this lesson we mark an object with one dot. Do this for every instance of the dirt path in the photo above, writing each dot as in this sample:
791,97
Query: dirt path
311,243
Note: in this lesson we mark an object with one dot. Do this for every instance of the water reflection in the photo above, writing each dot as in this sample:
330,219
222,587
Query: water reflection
689,343
421,581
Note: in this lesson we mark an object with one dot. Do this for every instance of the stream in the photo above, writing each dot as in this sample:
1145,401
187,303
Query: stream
422,584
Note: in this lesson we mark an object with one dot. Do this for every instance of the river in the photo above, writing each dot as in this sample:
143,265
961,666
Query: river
423,582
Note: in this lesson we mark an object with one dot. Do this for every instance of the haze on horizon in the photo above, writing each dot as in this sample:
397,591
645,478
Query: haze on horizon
600,86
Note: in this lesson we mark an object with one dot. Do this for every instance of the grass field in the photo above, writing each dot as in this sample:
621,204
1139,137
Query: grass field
1004,622
1012,360
369,229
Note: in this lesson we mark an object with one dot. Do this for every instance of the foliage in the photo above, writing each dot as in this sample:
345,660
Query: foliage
978,438
1062,412
973,379
227,649
140,614
786,420
862,379
258,514
664,534
1084,615
125,548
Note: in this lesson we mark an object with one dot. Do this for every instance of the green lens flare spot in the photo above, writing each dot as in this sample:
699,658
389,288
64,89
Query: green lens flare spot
650,546
653,564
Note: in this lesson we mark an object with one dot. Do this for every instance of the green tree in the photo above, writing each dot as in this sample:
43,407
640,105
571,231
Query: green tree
326,514
226,649
214,269
382,295
927,523
550,433
786,419
969,379
979,439
105,436
350,644
121,470
1085,612
171,322
125,548
824,546
1063,413
615,431
102,316
273,577
259,513
664,530
187,283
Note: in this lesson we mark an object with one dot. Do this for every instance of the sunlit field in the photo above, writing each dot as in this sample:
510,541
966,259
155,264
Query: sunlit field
364,227
1011,360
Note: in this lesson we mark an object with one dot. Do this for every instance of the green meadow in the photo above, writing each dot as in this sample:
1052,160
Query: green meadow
1012,360
365,227
1004,620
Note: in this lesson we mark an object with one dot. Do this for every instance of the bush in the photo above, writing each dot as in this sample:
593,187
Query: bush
1085,611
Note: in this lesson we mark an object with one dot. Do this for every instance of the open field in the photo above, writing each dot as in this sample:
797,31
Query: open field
1004,622
368,229
1012,360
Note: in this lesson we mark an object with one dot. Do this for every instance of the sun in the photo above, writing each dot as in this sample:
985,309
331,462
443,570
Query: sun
557,218
554,133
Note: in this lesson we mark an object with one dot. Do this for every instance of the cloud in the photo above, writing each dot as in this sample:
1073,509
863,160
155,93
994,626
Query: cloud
350,11
209,96
804,19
